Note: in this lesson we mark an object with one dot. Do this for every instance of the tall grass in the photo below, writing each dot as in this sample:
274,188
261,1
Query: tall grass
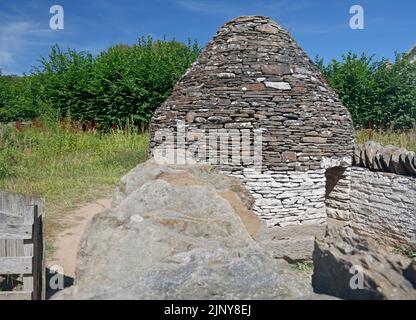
67,166
405,139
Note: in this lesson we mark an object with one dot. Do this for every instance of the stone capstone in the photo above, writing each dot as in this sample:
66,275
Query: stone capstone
387,159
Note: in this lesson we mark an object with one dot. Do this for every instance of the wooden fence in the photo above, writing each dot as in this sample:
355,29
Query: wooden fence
21,246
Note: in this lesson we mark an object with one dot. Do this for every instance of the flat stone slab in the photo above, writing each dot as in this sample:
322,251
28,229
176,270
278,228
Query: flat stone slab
292,243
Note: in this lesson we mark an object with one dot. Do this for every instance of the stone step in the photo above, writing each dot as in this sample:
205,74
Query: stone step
292,243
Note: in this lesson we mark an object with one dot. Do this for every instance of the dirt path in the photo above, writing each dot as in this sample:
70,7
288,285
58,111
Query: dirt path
66,244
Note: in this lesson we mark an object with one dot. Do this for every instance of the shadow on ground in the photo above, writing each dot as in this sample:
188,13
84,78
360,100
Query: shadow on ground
56,282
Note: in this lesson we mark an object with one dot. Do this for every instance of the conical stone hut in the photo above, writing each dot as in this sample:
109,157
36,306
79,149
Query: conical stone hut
257,107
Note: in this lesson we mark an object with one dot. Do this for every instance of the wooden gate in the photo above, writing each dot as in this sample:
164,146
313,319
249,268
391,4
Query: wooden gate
21,246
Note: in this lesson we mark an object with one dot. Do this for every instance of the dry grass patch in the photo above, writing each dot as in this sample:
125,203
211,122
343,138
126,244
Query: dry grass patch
405,139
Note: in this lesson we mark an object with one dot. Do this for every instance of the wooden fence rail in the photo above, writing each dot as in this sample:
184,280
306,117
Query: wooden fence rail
21,245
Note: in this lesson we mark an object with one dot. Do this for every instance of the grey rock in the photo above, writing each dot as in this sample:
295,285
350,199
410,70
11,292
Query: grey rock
219,120
409,163
371,148
278,85
314,139
292,243
200,120
267,28
386,155
396,162
387,159
357,155
341,255
179,234
226,75
278,69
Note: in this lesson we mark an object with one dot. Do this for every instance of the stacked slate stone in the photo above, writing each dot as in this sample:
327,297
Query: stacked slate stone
253,77
392,159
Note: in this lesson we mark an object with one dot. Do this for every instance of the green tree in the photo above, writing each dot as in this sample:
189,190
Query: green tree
377,93
123,83
18,98
396,92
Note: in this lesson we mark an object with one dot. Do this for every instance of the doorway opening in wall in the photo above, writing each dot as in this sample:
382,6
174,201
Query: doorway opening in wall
336,193
333,175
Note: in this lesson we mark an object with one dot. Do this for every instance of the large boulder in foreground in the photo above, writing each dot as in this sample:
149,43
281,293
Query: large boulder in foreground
349,266
179,233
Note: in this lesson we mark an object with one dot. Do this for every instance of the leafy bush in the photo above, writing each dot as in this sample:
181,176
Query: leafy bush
377,93
19,98
122,85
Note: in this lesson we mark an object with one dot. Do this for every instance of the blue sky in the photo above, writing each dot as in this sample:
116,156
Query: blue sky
320,26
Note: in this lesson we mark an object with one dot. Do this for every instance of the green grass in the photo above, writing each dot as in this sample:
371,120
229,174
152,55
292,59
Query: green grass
11,283
304,266
66,166
405,139
409,252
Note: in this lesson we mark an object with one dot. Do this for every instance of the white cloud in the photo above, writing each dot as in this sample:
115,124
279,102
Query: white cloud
15,38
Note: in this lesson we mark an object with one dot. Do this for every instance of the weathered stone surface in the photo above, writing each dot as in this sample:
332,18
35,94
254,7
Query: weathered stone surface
380,205
200,120
289,156
219,120
388,159
278,85
314,140
281,196
292,243
385,157
179,233
225,75
278,69
252,87
267,28
371,148
383,272
190,117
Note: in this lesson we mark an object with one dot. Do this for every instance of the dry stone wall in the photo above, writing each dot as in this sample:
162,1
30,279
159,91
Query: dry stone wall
253,80
288,198
376,204
383,206
391,158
